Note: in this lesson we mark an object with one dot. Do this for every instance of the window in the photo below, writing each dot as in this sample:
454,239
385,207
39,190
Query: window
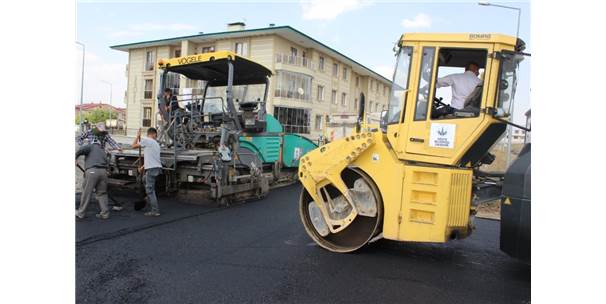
343,99
369,106
293,85
335,70
397,98
321,63
209,49
508,78
344,73
293,55
241,48
177,52
424,81
147,117
377,87
357,81
172,81
304,59
466,100
320,93
149,61
293,120
333,97
148,89
355,104
318,123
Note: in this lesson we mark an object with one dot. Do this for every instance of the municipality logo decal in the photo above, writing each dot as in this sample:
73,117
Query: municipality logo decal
442,132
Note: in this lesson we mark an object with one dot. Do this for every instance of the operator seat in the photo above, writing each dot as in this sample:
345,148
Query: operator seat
472,104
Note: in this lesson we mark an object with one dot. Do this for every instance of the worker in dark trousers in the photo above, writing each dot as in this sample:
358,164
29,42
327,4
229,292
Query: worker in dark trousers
152,165
95,162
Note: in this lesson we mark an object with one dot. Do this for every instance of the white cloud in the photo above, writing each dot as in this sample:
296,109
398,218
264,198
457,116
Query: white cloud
121,34
91,57
419,21
135,30
329,10
385,70
161,27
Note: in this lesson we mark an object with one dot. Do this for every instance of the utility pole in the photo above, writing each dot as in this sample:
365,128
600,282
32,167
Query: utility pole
110,103
509,128
81,82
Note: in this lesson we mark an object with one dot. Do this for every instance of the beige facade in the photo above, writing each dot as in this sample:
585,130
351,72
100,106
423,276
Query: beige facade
309,79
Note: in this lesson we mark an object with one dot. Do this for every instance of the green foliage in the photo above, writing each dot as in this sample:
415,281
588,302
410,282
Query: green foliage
94,116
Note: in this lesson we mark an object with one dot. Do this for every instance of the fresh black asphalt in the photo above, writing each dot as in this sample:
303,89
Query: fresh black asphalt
258,252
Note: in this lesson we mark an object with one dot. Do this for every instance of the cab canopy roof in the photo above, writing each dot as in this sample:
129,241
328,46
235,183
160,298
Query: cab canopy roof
460,37
212,67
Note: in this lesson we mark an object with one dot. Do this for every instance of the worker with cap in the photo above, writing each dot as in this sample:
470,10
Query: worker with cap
100,133
95,178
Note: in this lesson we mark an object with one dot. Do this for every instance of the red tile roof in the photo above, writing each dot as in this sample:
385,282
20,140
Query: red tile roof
92,106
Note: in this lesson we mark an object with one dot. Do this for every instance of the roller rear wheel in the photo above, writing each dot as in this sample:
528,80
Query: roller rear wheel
366,225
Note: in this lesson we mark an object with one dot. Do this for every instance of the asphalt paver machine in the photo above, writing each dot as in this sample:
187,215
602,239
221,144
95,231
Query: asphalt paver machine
219,142
417,178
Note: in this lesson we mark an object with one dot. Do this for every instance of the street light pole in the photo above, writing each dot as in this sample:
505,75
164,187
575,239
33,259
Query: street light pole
81,81
509,128
110,102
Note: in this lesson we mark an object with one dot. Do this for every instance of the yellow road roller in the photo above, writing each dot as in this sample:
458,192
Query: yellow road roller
417,176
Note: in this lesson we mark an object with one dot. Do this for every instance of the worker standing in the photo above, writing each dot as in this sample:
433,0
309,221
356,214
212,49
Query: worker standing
95,163
152,166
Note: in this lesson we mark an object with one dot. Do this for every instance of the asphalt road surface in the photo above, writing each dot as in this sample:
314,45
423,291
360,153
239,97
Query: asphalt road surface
258,252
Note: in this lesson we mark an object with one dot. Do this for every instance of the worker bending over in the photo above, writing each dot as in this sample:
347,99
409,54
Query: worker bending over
95,178
100,133
152,166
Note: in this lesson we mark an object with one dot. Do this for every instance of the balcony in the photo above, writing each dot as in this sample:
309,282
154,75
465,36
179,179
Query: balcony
295,61
292,94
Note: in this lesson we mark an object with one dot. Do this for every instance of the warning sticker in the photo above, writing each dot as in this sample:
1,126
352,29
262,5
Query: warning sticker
442,135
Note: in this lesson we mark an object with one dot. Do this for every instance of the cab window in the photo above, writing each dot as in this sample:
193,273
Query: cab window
424,80
459,83
397,98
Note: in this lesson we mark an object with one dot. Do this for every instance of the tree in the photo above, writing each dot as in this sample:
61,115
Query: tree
94,116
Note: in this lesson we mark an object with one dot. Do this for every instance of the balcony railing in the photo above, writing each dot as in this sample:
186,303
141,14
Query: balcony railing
295,60
284,93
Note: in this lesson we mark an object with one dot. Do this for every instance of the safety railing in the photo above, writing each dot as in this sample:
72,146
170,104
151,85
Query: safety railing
295,60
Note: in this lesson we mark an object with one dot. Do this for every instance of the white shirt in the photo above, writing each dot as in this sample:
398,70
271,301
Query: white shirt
151,153
462,85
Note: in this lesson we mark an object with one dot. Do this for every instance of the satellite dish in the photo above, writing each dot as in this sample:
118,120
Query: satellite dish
300,91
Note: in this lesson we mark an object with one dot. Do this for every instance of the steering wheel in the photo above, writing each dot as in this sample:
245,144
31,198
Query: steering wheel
438,102
439,108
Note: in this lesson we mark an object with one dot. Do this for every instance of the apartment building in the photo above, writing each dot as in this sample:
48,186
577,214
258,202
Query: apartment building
310,79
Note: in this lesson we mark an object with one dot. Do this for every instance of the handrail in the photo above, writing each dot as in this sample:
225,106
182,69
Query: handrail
295,60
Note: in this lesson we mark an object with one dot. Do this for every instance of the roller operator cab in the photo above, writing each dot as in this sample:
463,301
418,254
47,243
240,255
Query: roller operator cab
415,178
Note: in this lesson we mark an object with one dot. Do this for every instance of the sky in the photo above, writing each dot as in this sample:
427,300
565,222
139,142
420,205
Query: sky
364,30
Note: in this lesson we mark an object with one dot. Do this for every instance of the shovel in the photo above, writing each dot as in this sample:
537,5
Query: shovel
140,204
